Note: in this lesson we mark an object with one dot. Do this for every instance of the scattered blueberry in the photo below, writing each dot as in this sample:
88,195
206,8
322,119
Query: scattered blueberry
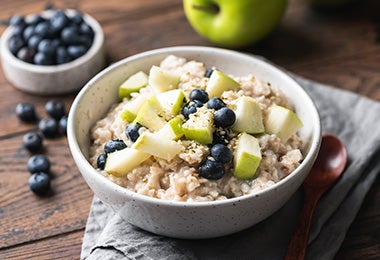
62,125
114,145
132,131
191,108
39,183
55,108
215,103
221,153
199,94
48,127
32,141
38,163
101,161
212,170
209,72
26,112
224,117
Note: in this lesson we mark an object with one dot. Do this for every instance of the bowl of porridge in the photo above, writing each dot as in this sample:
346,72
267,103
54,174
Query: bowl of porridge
193,142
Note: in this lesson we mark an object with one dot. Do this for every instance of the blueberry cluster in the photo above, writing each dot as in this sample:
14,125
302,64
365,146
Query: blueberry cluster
50,41
110,147
224,117
38,164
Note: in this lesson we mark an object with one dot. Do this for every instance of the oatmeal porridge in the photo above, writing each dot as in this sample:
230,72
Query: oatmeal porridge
185,132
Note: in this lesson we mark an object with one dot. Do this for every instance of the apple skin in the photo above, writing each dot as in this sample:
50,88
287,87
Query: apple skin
234,24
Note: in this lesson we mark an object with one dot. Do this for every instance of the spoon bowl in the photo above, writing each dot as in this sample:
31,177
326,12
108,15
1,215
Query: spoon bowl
327,169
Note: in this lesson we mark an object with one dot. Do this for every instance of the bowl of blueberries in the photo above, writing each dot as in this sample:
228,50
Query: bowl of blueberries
53,52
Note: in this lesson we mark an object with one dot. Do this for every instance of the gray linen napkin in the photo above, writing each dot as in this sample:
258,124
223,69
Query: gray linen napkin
352,117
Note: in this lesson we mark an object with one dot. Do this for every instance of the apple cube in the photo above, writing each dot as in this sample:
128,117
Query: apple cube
172,129
249,118
132,108
151,115
161,80
172,101
220,82
121,162
200,126
282,122
247,156
154,144
134,83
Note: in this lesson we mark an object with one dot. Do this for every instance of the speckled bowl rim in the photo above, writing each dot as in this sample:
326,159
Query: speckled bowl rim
76,151
45,69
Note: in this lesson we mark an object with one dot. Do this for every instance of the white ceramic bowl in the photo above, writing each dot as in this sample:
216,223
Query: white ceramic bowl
184,219
56,79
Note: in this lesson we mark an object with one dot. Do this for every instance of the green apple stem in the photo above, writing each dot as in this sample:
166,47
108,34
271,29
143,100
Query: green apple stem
212,8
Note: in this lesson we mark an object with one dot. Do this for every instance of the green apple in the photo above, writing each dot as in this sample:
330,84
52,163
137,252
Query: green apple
234,24
161,80
247,156
282,122
119,163
220,82
200,126
172,129
151,114
154,144
172,101
248,116
132,108
134,83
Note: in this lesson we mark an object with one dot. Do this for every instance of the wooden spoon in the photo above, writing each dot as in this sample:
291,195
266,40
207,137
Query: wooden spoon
326,170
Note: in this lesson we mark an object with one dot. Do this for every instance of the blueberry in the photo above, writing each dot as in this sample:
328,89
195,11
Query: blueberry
224,117
209,72
59,20
26,54
48,127
43,59
33,41
76,51
17,31
39,183
77,18
62,125
38,163
212,170
191,108
221,153
85,29
199,94
62,55
44,29
32,141
215,103
16,42
28,32
35,19
26,112
114,145
70,35
47,47
55,108
17,20
101,161
132,131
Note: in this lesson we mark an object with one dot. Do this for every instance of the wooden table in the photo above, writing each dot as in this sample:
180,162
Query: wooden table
340,49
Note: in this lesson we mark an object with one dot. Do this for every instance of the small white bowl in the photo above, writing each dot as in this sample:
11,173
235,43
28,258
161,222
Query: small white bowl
55,79
188,219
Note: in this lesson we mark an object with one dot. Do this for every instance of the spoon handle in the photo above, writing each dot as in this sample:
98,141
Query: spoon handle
298,244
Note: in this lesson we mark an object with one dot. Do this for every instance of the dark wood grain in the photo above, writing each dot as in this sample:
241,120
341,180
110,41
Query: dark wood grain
339,48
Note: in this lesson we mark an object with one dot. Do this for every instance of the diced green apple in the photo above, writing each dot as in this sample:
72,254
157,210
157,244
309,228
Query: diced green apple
154,144
282,122
132,107
200,126
134,83
151,114
247,156
220,82
249,118
172,101
121,162
172,129
161,80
